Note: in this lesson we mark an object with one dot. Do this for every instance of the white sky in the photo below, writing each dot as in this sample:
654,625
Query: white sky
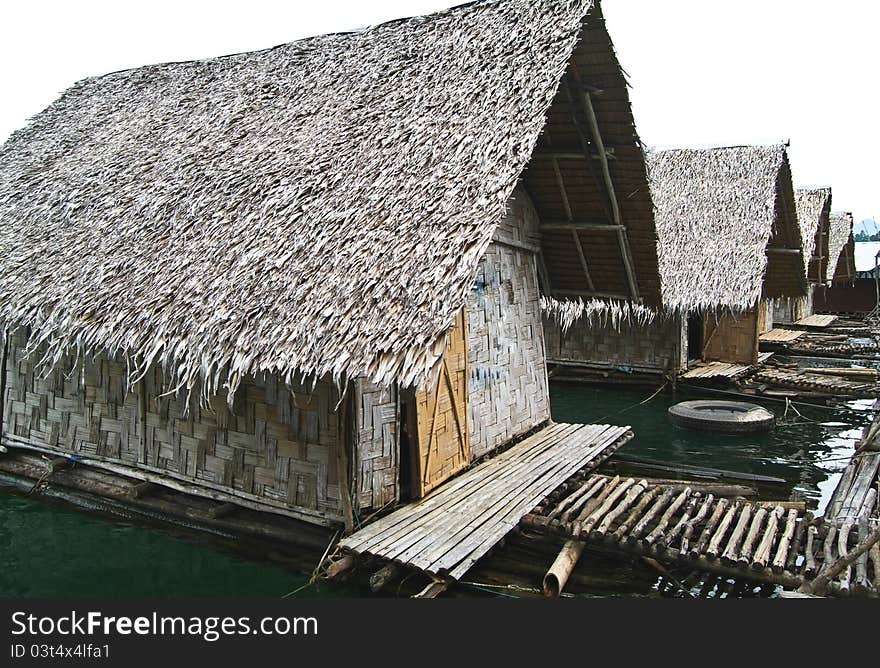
703,72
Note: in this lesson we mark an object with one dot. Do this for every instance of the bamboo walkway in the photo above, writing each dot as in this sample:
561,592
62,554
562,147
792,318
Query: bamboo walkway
779,335
445,533
819,321
724,369
733,538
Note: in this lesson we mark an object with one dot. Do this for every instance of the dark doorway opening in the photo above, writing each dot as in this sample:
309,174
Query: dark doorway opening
694,336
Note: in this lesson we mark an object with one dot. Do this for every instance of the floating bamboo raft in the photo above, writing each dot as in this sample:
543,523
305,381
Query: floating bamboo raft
733,538
819,321
817,382
724,369
445,533
778,335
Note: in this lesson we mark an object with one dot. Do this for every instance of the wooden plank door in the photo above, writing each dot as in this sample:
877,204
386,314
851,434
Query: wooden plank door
441,415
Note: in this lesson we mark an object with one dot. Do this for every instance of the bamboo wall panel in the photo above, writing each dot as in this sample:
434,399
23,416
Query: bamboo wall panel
278,445
377,444
728,338
443,446
507,372
656,345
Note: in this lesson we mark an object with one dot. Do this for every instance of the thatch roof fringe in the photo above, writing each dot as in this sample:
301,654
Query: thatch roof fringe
715,211
317,208
596,312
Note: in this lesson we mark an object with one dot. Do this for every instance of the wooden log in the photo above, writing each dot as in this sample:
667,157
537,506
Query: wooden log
651,513
701,544
843,551
670,537
799,537
585,491
383,576
748,546
560,570
762,554
800,506
701,472
778,564
809,558
663,522
589,522
222,510
433,589
874,556
577,505
828,545
860,583
715,543
822,582
636,513
868,504
693,523
141,490
627,501
731,550
341,565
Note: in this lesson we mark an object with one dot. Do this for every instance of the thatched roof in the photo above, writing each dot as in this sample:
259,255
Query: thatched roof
725,222
813,211
319,207
841,248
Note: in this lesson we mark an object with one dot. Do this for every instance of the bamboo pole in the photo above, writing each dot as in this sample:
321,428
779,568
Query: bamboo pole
843,551
563,565
809,558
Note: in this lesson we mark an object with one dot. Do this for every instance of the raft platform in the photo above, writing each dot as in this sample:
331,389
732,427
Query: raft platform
733,371
448,531
768,543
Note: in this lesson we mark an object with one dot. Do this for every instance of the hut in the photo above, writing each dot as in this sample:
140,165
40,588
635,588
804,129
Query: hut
306,279
728,242
813,215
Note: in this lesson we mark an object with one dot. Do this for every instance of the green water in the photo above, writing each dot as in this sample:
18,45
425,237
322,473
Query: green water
49,548
809,448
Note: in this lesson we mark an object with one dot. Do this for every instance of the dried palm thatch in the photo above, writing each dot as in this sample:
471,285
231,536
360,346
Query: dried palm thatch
596,312
320,207
719,212
813,211
841,248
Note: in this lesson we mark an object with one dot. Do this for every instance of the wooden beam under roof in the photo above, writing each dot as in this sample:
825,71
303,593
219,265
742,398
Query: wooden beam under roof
590,294
549,225
622,241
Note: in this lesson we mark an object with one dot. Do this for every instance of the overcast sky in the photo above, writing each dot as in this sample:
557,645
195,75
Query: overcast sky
704,73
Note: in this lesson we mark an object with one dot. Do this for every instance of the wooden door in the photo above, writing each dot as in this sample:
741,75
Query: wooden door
442,447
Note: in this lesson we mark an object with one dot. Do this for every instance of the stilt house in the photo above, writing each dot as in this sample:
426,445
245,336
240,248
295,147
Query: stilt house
728,242
307,278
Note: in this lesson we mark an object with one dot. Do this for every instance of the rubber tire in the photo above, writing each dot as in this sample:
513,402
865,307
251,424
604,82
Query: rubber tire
732,417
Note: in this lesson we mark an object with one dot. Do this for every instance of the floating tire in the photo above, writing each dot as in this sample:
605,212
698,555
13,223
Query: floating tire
735,417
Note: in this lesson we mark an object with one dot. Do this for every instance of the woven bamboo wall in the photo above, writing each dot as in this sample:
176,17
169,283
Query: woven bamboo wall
377,444
656,346
507,385
278,447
